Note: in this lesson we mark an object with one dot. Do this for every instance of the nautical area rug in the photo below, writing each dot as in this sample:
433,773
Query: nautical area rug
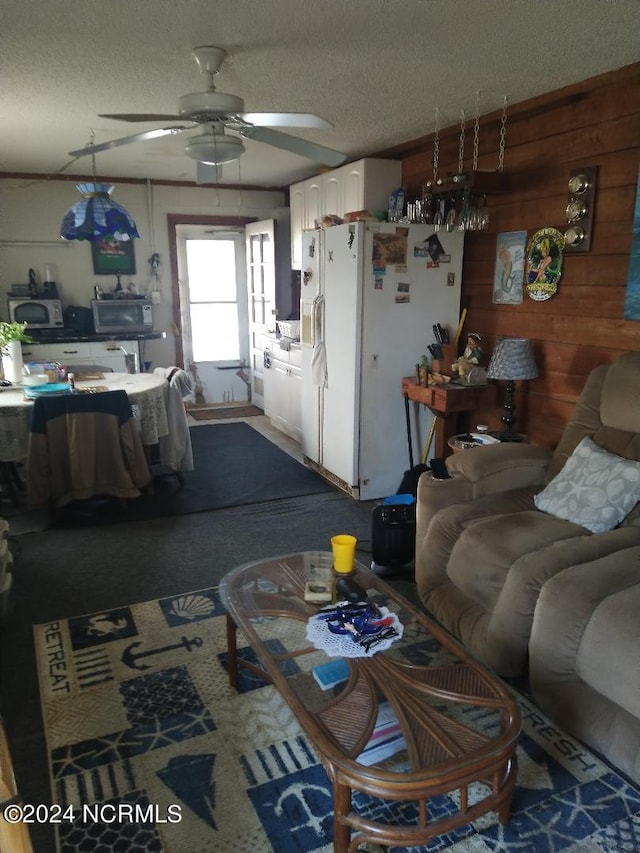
150,750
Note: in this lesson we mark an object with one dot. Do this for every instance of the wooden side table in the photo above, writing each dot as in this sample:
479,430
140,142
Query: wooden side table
446,402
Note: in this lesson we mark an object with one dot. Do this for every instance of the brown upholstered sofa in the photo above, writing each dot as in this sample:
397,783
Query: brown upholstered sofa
491,565
484,549
583,655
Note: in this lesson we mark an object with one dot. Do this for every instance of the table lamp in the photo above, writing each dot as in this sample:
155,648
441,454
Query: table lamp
512,359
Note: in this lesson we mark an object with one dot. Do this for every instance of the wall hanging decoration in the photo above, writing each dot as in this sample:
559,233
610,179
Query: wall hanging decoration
113,256
632,299
544,263
509,270
579,212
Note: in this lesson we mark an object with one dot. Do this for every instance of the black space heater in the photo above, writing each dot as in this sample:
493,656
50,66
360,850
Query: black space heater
393,534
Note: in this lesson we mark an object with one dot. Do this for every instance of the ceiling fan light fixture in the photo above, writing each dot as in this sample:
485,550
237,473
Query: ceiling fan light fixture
204,105
97,217
214,148
219,111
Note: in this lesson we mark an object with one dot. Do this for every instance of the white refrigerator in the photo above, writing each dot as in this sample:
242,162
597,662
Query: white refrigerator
370,294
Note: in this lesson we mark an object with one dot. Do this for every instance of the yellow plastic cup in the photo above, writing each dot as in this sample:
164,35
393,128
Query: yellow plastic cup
344,553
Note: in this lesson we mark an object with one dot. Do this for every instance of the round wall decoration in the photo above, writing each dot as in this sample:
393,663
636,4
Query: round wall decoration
544,263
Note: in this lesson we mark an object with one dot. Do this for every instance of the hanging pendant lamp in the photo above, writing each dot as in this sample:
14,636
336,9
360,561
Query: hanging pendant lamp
97,217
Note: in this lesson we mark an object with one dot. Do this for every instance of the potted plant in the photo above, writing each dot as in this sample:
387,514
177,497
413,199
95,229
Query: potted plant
12,336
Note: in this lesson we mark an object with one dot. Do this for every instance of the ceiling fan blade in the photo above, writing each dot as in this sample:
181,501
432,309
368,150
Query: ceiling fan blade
208,173
318,153
125,140
142,117
285,120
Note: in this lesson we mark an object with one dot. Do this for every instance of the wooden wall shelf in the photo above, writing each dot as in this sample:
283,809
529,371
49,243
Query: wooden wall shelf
486,182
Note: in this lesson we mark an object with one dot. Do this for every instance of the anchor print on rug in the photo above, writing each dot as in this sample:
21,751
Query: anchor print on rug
132,659
296,811
190,777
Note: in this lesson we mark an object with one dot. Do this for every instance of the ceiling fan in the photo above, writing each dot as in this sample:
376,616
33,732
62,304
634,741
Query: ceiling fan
217,112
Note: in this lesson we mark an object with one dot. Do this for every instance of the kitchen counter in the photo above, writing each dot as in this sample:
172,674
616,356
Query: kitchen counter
108,351
70,337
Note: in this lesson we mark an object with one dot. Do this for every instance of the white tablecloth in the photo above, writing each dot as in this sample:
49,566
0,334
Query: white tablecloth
146,391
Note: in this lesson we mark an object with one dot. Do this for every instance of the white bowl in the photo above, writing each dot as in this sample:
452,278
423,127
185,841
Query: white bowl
34,379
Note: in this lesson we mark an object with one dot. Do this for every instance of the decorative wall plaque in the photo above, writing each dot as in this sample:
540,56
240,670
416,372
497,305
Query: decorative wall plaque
544,264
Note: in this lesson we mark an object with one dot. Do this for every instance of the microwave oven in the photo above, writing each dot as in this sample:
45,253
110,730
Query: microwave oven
118,316
37,313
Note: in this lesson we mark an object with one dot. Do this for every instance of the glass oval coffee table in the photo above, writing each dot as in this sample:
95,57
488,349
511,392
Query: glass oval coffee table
457,723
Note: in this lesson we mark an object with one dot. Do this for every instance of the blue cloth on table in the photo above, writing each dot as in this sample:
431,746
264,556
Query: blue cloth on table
106,402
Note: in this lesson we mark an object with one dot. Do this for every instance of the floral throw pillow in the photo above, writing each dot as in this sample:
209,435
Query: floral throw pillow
595,489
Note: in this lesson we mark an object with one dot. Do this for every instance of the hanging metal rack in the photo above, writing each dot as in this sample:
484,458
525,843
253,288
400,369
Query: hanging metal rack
459,201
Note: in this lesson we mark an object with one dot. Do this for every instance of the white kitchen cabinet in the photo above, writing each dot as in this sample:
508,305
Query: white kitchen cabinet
278,388
363,185
313,201
104,353
295,403
110,354
331,196
282,389
35,352
298,219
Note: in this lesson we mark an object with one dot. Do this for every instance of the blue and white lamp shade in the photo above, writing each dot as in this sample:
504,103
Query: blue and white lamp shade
97,217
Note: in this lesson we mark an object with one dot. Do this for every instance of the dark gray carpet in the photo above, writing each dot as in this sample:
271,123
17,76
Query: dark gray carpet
234,465
62,573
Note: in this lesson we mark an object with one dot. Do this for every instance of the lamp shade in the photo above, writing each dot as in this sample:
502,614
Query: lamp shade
512,359
97,217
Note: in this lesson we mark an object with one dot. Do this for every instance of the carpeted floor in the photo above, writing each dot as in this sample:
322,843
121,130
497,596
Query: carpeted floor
210,413
64,572
234,465
60,573
139,713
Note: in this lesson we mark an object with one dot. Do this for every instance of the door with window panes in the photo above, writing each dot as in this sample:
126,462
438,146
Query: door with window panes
213,307
261,289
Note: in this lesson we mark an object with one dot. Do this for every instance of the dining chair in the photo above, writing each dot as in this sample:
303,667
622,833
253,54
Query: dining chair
84,445
175,454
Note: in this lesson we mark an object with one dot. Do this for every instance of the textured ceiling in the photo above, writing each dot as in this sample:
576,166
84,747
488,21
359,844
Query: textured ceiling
376,69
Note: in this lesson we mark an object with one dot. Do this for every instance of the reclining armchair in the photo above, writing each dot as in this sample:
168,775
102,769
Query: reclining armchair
514,515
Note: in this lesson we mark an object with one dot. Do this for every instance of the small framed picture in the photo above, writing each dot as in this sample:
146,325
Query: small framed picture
111,256
509,269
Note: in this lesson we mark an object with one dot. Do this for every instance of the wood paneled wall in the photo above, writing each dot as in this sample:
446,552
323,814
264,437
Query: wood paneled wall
594,123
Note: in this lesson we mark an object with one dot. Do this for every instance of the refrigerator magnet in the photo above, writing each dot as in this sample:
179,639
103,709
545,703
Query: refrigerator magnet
403,295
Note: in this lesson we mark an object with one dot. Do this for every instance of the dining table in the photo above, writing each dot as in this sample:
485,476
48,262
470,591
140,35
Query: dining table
146,393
